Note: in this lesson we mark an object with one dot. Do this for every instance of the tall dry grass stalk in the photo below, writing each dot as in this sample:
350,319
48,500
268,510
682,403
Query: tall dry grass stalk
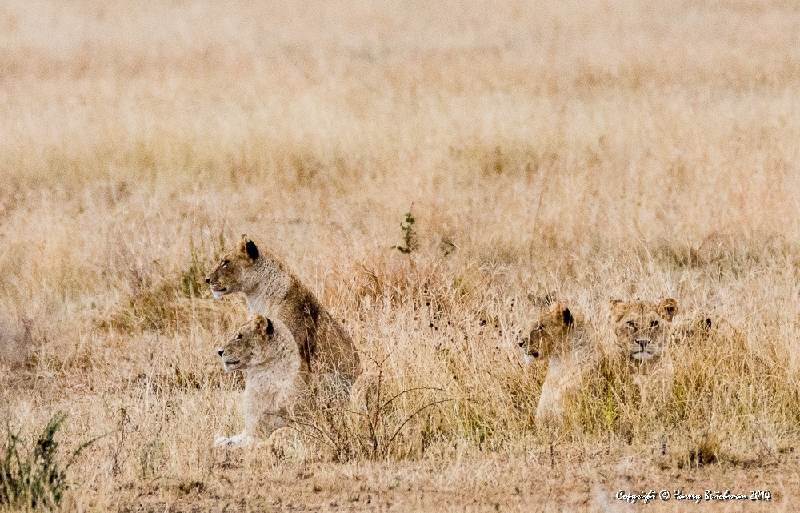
592,150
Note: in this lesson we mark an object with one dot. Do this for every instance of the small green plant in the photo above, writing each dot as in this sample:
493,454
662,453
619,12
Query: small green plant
447,246
409,236
149,456
37,481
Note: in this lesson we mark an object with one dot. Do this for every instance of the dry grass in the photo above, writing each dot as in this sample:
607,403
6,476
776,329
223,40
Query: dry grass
582,148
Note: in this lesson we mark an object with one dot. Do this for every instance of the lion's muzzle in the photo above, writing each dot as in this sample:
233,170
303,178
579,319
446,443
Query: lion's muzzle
642,349
227,363
218,292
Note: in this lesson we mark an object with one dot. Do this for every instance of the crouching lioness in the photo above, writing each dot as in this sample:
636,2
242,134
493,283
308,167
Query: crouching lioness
644,332
266,352
560,337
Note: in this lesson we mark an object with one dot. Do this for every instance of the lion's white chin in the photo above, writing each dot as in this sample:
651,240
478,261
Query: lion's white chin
231,366
528,359
217,294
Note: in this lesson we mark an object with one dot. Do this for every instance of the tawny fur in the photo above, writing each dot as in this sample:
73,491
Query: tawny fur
326,350
265,351
559,336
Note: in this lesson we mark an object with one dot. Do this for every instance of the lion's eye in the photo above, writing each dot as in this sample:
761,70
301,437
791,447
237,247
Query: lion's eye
631,324
540,328
225,262
238,336
653,324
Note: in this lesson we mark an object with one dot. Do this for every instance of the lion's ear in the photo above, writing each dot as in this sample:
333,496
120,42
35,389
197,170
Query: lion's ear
252,250
615,310
668,309
563,313
248,248
566,315
270,327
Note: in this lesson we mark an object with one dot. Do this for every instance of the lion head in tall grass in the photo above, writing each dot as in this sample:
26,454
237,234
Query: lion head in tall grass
643,328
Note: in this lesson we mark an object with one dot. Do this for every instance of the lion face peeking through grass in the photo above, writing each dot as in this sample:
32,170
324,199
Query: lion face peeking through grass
551,333
643,328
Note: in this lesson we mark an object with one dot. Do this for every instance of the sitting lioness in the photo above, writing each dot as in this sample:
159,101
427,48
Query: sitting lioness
560,336
326,350
644,331
265,350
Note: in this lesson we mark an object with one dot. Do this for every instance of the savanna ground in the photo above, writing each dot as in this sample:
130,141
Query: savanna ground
580,150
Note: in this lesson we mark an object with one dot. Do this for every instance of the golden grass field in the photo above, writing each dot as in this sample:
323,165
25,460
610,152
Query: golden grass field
583,150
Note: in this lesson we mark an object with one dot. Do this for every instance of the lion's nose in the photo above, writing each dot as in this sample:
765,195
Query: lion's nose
220,351
208,280
642,343
521,343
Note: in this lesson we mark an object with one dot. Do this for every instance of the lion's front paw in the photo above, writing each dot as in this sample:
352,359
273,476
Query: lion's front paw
240,440
222,441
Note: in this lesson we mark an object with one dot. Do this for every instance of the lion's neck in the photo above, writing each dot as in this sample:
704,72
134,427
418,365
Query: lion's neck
269,284
275,380
270,379
282,369
575,341
571,351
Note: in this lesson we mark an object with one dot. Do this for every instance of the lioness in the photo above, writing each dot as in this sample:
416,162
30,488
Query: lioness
326,349
644,331
267,353
560,336
643,328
